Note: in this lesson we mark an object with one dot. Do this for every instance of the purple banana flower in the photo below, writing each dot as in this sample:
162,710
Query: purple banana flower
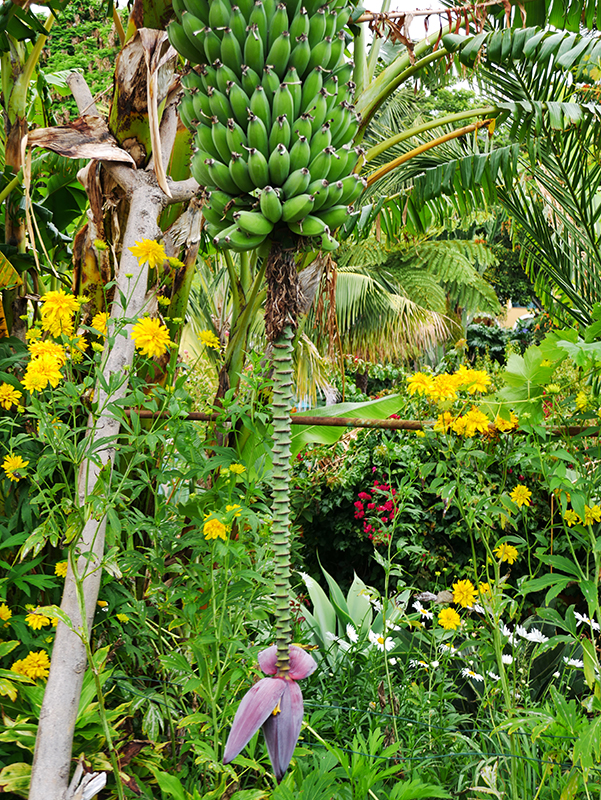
277,705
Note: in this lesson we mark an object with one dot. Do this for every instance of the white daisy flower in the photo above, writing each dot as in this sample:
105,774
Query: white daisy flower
448,649
380,641
573,662
392,661
423,611
469,673
493,676
390,626
352,634
478,608
434,664
506,658
415,663
534,635
583,618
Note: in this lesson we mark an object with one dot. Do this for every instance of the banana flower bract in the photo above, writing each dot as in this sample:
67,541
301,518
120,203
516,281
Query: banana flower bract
277,705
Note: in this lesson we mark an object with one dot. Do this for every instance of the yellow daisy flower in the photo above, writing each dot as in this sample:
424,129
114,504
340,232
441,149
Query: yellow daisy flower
209,339
122,617
238,469
506,552
449,619
14,466
592,514
40,372
60,569
36,620
36,665
5,613
9,396
521,495
57,312
464,593
52,349
100,322
151,337
420,383
571,517
214,529
150,252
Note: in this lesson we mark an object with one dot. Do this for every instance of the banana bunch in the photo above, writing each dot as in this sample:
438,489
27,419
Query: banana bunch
271,104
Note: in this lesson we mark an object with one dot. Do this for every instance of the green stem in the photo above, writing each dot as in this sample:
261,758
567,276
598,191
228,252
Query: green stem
378,149
375,46
282,403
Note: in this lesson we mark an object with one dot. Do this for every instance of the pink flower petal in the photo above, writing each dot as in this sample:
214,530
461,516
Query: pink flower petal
255,707
301,663
282,730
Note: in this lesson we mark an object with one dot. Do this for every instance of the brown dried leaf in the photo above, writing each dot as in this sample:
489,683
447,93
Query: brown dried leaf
87,138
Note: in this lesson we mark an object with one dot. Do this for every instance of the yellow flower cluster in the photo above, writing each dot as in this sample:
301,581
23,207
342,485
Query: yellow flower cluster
506,552
445,386
9,396
592,514
506,425
151,337
35,665
58,309
36,620
5,614
100,322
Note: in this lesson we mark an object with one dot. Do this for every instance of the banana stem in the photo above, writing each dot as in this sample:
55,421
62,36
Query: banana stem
282,403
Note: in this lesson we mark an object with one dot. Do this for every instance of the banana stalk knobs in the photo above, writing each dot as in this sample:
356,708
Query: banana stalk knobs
271,102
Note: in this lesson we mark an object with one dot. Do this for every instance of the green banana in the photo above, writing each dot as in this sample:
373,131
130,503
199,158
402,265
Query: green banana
278,25
236,138
294,84
331,20
300,153
212,216
192,80
254,51
182,44
259,105
257,134
279,165
280,133
333,195
240,241
295,208
250,79
246,7
270,82
219,241
344,72
302,126
224,76
300,24
283,102
202,107
312,84
238,25
220,202
212,44
199,168
258,168
258,17
186,112
309,226
334,217
321,164
354,186
239,102
279,54
300,55
328,243
239,173
343,165
204,140
220,176
219,14
219,134
320,140
296,183
219,104
319,190
270,204
319,111
253,222
231,52
337,51
317,28
320,54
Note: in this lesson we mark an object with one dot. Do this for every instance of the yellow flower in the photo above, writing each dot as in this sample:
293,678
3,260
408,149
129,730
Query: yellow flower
420,383
506,552
478,381
9,396
476,421
581,401
80,343
521,495
444,387
57,312
60,569
36,620
122,617
214,529
464,593
238,469
40,372
13,467
209,339
571,517
97,347
504,424
5,614
233,508
35,665
51,349
151,337
449,619
149,251
102,603
444,422
33,334
592,514
419,434
458,425
483,588
100,322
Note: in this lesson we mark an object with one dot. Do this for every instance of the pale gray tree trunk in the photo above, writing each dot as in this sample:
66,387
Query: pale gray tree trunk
52,757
